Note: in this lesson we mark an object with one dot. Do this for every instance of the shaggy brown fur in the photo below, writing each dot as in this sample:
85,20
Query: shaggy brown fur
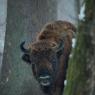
56,31
47,44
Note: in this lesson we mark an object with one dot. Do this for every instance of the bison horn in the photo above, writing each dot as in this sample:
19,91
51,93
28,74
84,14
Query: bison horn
22,47
58,47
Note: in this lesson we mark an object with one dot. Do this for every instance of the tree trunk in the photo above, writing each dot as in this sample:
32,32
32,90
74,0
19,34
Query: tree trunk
3,14
24,19
81,72
68,10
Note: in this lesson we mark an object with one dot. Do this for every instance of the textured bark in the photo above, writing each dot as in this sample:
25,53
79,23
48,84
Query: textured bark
24,19
81,72
90,27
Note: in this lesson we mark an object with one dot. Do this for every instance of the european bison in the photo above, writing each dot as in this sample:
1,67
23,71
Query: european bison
49,55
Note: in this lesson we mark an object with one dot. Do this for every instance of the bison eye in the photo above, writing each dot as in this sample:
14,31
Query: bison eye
26,58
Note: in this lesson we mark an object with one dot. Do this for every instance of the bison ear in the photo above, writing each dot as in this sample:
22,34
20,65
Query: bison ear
26,58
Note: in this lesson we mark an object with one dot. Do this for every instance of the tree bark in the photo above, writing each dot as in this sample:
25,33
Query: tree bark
81,72
24,19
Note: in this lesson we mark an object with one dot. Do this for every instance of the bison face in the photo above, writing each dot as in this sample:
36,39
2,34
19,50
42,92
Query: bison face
44,66
44,59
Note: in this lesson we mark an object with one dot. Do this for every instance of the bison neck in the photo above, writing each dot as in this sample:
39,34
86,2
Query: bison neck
61,74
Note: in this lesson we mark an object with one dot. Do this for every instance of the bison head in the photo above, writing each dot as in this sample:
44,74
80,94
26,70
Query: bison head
44,57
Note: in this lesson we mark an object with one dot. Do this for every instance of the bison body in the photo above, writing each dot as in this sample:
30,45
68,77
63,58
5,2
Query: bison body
49,55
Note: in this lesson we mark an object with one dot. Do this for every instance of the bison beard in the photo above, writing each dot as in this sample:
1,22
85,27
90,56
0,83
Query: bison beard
49,55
